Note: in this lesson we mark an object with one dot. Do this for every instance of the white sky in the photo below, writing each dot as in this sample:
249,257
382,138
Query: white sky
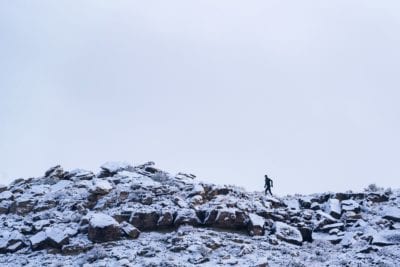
305,91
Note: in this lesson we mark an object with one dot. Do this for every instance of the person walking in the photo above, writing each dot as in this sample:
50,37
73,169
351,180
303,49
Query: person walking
268,184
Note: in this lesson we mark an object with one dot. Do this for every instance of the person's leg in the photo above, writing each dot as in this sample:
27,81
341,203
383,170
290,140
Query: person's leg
269,190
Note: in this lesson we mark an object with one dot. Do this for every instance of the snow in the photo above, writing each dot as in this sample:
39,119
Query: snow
102,220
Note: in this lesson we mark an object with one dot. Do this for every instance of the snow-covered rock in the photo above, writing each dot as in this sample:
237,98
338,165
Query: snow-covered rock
333,208
103,228
255,224
392,213
101,187
288,233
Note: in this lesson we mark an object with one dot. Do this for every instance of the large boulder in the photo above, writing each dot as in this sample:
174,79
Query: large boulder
287,233
255,225
103,228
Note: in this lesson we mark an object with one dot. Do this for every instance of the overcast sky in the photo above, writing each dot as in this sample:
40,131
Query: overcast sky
305,91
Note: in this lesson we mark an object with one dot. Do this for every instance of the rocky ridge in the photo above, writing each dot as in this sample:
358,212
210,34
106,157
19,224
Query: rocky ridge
129,215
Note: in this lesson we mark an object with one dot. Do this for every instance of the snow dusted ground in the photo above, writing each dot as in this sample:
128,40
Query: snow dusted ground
141,216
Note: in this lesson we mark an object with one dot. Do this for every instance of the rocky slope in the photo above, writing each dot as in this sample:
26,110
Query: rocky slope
141,216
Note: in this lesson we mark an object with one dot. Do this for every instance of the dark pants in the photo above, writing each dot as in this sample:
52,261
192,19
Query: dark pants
268,189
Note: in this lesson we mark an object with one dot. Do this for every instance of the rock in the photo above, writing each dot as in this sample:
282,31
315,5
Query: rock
305,202
56,237
39,241
392,213
56,171
306,233
349,195
255,225
333,208
315,206
350,205
51,237
166,219
77,246
377,197
328,227
112,168
80,174
5,206
103,228
227,218
12,242
6,195
386,238
3,188
130,230
101,187
186,216
287,233
145,219
368,249
23,205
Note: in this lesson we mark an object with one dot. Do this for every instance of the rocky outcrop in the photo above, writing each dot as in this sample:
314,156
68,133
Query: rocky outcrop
150,214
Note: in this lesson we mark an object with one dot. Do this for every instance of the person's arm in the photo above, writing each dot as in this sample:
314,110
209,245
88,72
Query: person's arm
272,183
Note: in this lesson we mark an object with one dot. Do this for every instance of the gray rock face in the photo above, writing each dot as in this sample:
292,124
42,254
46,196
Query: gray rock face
103,228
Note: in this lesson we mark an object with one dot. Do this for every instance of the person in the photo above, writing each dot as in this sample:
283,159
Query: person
268,185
